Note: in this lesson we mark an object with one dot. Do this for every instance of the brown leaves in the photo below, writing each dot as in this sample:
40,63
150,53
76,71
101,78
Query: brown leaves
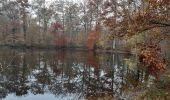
150,18
150,57
61,41
158,2
155,13
93,37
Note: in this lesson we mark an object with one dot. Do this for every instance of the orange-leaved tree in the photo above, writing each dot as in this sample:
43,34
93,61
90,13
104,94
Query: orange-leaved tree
131,18
93,37
150,56
61,41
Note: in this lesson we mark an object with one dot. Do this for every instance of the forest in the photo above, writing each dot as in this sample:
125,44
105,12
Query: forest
139,28
85,23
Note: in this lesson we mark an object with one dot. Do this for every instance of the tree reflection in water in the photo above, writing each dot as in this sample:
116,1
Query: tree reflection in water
80,74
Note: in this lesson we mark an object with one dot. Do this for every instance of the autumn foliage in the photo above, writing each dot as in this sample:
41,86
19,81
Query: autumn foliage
154,13
60,41
57,26
93,37
150,57
146,18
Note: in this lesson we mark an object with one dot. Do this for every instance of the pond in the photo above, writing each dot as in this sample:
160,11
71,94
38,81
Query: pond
69,75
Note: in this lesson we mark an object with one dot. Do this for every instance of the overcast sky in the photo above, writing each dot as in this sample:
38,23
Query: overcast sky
66,0
49,1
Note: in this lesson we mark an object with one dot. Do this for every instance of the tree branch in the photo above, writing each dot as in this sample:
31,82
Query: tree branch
160,23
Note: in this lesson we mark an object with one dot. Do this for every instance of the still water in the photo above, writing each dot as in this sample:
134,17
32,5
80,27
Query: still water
69,75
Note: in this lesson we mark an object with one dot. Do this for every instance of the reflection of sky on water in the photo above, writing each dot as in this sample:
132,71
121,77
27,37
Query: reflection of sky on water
42,97
66,75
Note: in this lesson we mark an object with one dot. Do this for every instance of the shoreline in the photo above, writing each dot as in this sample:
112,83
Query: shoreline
51,47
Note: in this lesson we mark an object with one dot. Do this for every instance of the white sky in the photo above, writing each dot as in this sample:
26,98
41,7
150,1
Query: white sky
65,0
50,1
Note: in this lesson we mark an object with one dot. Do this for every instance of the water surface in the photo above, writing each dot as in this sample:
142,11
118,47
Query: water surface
69,75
